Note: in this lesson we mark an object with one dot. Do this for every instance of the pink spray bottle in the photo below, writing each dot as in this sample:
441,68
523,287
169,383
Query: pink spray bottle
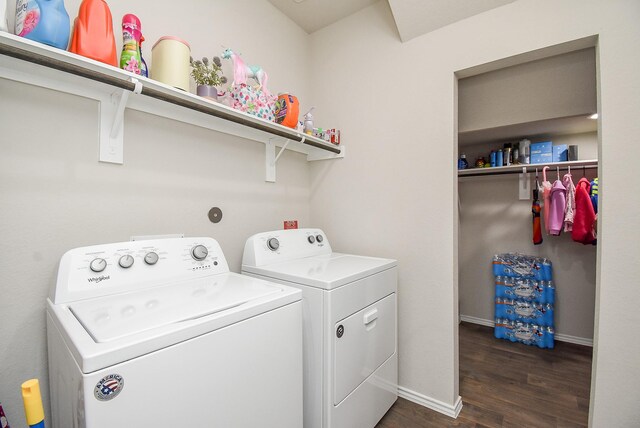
131,58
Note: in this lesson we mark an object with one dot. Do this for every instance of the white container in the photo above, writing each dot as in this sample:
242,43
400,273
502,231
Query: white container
3,16
170,62
525,151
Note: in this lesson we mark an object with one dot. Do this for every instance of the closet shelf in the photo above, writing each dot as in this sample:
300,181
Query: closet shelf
33,63
528,168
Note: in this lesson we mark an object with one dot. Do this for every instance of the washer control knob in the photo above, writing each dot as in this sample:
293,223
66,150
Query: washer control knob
126,261
199,252
319,238
311,239
273,244
98,264
151,258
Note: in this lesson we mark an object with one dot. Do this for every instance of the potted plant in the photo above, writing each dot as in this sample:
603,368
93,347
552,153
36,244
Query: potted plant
207,74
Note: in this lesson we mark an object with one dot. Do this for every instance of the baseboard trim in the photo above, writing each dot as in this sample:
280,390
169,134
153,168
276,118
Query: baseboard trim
559,336
474,320
431,403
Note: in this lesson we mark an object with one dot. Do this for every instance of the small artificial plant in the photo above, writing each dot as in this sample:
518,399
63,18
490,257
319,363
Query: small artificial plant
207,72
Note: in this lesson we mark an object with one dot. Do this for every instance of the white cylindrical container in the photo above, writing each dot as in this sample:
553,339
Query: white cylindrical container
525,151
170,62
3,16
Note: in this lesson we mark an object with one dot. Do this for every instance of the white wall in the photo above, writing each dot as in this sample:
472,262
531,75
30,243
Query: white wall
493,220
56,196
396,192
559,86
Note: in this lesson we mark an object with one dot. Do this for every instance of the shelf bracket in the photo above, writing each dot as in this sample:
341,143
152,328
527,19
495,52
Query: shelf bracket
111,123
271,159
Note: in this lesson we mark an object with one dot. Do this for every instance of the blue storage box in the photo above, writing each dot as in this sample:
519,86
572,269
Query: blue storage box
542,152
560,153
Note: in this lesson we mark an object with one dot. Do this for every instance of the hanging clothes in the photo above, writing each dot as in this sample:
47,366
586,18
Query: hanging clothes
535,209
557,206
594,194
570,202
546,194
585,216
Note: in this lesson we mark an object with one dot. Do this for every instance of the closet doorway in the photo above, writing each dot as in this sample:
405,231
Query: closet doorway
544,96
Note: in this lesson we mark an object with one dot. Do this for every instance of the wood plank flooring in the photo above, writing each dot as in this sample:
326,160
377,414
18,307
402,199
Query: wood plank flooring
506,384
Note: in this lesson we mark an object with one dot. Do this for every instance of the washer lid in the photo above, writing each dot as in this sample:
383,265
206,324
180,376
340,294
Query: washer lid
326,271
113,317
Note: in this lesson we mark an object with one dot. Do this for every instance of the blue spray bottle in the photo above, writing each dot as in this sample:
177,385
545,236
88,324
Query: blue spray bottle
45,21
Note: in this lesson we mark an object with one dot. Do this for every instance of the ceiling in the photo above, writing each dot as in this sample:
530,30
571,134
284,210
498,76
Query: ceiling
312,15
413,17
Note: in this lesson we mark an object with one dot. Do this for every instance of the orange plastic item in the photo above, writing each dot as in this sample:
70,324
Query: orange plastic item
287,110
93,33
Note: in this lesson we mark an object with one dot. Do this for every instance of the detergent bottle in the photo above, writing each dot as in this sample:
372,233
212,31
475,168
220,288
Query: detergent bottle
45,21
308,122
93,33
131,59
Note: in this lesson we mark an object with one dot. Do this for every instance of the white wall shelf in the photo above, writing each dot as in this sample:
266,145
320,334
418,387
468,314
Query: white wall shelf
529,168
36,64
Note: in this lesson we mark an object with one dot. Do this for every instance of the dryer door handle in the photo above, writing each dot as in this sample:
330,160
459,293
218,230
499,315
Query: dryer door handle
370,316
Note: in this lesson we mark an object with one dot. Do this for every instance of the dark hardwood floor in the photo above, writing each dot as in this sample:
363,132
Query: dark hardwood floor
506,384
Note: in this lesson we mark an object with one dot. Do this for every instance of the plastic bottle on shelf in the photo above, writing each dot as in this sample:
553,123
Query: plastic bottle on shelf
308,122
462,162
499,158
44,21
4,26
131,59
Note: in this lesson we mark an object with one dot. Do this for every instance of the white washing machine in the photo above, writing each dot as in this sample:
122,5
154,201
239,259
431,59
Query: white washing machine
160,333
349,322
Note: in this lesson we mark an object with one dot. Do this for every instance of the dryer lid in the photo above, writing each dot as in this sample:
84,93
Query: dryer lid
113,317
326,271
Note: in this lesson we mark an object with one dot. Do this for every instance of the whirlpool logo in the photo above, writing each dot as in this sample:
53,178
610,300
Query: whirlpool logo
98,279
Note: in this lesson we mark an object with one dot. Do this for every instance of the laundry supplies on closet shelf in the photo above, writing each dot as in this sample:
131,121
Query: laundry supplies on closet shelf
524,299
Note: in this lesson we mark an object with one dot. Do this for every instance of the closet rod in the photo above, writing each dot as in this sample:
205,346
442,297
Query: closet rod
517,169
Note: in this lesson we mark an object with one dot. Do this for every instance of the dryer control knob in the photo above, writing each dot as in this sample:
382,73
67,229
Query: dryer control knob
126,261
98,264
319,238
273,244
199,252
311,239
151,258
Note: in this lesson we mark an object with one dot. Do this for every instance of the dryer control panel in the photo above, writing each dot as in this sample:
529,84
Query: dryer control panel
284,245
101,270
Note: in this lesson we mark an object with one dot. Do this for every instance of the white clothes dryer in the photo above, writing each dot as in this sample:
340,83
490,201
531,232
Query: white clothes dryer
349,323
160,333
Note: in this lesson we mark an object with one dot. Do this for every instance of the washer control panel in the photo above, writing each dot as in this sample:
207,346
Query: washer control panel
283,245
100,270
